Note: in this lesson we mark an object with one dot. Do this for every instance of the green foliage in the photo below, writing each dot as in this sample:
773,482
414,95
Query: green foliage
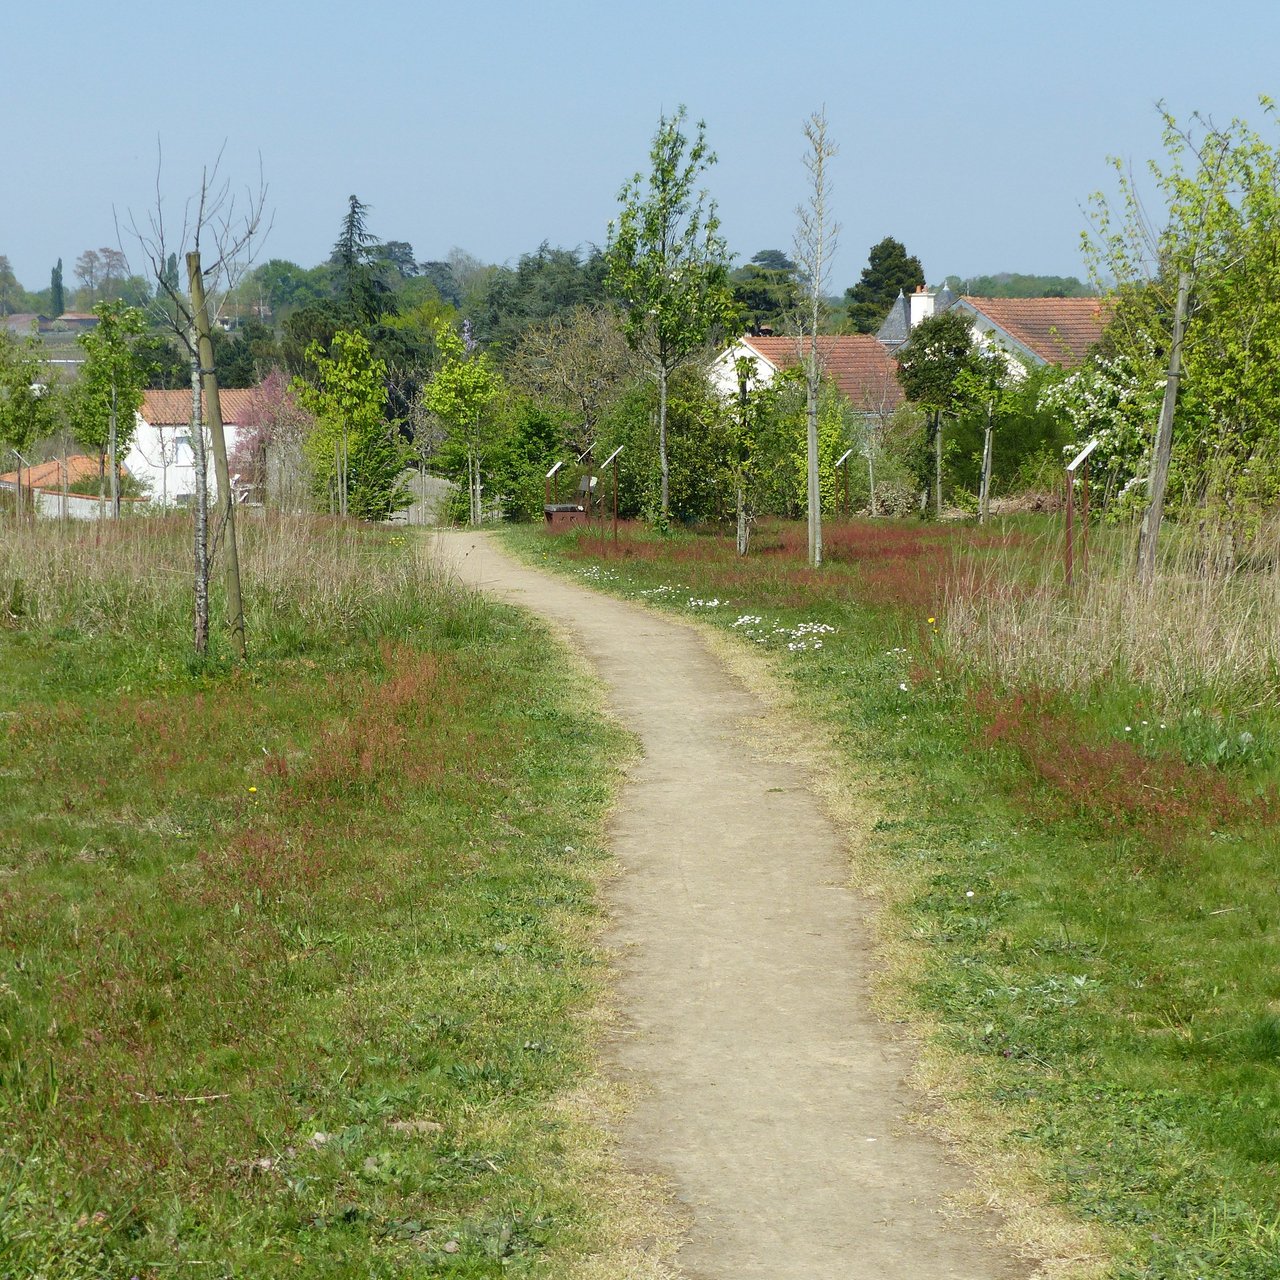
702,444
111,384
1011,284
356,259
934,360
766,290
352,452
57,295
835,435
529,440
463,388
544,285
1027,432
26,405
667,261
285,286
245,358
1221,187
1114,400
461,396
10,289
890,270
668,264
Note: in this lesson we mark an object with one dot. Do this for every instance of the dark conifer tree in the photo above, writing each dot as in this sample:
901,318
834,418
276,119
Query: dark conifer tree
57,295
890,270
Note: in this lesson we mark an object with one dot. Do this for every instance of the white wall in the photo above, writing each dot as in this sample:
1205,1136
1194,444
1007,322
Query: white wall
162,457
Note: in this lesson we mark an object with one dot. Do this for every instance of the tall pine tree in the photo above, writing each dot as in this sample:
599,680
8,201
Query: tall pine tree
890,270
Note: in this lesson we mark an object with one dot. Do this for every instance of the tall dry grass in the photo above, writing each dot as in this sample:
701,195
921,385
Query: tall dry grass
304,578
1198,635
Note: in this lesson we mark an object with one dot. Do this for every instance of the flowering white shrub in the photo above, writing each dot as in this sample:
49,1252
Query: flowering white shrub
1115,400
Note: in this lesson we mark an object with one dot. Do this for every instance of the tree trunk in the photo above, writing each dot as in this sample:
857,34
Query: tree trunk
744,525
1154,514
871,478
663,465
226,499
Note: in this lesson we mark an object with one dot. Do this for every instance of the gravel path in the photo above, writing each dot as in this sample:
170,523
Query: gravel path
770,1097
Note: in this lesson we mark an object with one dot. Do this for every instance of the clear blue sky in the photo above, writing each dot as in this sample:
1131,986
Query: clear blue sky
972,131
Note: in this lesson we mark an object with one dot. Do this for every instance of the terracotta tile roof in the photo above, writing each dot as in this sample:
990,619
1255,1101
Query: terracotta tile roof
857,363
1057,330
51,475
173,408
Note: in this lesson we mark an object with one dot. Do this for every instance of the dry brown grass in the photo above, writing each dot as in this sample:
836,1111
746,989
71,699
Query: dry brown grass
308,574
1196,636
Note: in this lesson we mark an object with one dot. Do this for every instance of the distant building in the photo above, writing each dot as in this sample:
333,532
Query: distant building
49,484
1038,331
161,455
861,367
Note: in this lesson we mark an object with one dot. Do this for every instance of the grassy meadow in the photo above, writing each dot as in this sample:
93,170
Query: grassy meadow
297,970
1074,800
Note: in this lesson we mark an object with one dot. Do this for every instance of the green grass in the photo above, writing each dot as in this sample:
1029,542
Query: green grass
1081,886
296,959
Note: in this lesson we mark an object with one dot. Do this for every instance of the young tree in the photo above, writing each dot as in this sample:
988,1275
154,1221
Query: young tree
991,387
354,455
111,386
815,243
460,396
233,231
890,270
668,264
931,367
26,404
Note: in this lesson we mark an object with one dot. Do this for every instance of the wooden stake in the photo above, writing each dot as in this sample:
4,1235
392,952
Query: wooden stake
1154,514
213,412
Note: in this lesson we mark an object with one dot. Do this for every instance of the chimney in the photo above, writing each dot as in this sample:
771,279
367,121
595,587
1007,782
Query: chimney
921,305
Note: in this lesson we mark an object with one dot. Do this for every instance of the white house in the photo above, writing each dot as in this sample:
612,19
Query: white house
161,455
861,367
1037,331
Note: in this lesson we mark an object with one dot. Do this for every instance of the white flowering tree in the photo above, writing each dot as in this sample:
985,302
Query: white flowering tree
1114,400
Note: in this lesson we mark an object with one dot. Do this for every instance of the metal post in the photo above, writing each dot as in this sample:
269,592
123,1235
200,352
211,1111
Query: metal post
1071,503
1084,516
612,460
1080,460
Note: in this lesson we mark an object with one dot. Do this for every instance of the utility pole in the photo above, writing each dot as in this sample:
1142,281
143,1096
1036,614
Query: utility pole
213,412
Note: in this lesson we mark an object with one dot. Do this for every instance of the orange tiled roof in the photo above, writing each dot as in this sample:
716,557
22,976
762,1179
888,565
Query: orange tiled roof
857,363
1058,330
173,408
52,475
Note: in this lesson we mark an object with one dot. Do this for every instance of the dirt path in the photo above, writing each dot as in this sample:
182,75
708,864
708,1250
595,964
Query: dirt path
770,1097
